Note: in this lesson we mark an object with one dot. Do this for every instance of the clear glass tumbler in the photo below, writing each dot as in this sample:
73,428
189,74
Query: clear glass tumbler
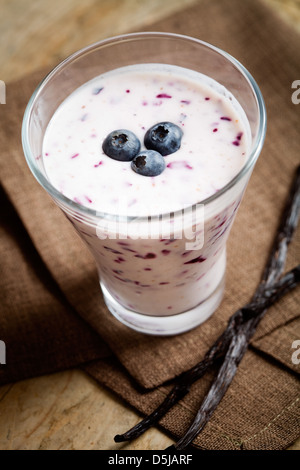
167,285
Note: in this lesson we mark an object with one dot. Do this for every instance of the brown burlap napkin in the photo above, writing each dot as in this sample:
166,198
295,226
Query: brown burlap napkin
52,312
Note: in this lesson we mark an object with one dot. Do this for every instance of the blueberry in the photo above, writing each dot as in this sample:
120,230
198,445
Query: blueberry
122,145
164,137
148,163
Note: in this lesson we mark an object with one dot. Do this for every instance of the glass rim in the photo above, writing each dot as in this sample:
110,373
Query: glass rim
83,210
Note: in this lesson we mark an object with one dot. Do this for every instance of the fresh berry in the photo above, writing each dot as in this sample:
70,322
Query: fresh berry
164,137
148,163
122,145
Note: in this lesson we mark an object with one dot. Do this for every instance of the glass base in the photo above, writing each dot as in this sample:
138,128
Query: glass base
165,325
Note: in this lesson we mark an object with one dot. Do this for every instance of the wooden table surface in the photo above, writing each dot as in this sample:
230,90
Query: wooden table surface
69,410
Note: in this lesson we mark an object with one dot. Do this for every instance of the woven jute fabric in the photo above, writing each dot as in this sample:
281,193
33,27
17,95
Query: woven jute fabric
52,312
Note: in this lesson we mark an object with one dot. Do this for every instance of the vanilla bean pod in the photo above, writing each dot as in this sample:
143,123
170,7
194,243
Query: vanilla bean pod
247,319
284,234
180,389
273,293
187,378
267,292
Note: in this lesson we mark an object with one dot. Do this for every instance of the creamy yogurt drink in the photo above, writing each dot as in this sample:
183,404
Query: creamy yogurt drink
157,231
213,146
151,276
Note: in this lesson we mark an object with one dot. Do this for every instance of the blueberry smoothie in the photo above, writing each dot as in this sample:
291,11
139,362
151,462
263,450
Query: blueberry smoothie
137,142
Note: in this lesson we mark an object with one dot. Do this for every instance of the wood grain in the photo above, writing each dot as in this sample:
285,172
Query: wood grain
288,10
36,34
68,410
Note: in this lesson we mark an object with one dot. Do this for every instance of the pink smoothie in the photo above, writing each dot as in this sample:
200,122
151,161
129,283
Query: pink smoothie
161,275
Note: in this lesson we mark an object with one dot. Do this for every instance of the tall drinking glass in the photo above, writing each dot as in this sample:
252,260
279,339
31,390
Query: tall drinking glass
165,274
